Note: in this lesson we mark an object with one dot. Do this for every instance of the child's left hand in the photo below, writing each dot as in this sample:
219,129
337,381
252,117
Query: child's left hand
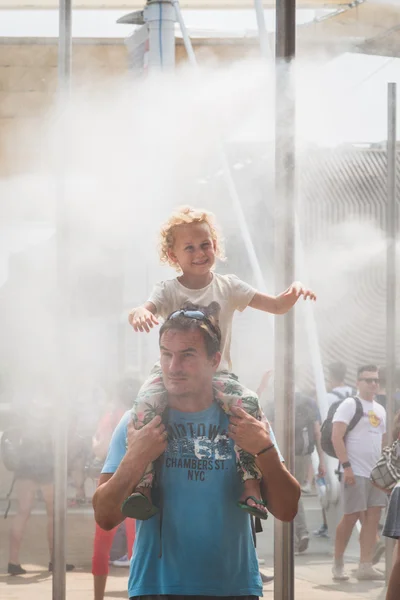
297,289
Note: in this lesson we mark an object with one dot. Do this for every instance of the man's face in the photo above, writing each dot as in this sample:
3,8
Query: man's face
368,382
186,368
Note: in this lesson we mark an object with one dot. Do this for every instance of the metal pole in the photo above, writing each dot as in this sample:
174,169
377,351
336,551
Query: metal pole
61,412
265,48
284,265
185,34
312,332
160,17
391,234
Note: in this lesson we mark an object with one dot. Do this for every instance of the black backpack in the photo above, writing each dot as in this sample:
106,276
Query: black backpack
304,425
327,425
343,396
21,453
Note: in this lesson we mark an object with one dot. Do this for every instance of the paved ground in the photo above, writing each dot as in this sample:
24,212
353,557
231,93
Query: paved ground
79,587
313,576
313,569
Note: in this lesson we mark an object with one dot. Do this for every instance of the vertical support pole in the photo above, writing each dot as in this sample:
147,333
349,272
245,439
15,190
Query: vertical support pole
284,265
160,17
266,51
185,34
61,412
391,234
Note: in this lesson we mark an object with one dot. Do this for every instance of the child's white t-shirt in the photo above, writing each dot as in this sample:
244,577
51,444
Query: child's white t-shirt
228,290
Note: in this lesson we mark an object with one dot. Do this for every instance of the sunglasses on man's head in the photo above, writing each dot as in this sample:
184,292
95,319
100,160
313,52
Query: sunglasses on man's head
193,314
370,379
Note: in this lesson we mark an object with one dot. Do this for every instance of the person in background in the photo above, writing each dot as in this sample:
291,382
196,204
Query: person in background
90,403
381,396
392,530
358,451
307,438
307,422
337,390
336,385
126,391
34,417
392,527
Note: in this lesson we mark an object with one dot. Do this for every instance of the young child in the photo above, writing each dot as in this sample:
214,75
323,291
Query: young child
190,243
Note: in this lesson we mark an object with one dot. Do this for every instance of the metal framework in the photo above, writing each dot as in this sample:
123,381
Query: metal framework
160,16
391,235
284,261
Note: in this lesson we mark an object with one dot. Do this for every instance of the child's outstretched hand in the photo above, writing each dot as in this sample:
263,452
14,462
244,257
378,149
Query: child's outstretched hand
142,319
297,289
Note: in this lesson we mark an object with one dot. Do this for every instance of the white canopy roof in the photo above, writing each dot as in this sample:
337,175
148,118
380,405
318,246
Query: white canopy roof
102,24
351,105
343,101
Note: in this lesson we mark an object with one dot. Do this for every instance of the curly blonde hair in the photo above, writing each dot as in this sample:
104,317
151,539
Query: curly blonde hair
185,215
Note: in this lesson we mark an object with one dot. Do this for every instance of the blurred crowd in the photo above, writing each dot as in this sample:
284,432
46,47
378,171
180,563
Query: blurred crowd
96,413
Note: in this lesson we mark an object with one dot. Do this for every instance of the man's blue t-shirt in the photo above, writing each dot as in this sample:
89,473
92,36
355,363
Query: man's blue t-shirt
204,545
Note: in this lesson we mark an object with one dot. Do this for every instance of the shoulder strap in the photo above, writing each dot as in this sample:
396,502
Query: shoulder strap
357,415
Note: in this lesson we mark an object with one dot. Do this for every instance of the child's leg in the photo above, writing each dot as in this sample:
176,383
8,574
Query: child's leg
150,402
230,392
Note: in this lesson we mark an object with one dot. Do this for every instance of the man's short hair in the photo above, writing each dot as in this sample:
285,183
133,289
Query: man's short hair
337,371
364,368
180,320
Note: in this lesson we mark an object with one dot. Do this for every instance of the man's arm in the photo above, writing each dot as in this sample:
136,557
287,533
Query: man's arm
113,489
321,455
279,488
143,447
338,433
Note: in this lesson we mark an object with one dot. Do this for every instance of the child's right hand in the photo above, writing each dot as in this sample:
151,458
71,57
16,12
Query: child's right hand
142,319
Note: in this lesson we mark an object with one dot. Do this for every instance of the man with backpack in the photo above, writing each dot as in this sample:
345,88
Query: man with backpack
358,431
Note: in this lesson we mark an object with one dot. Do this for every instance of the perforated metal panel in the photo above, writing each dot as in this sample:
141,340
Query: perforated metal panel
343,198
341,211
